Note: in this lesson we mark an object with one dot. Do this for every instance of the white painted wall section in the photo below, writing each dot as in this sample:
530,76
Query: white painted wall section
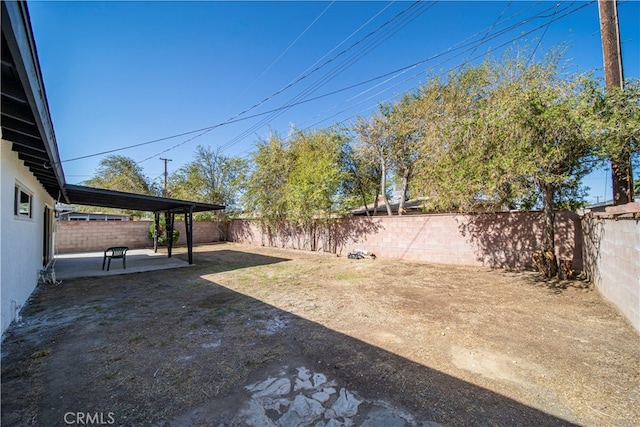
21,239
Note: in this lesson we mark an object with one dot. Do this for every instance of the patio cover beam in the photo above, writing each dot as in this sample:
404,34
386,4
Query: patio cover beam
99,197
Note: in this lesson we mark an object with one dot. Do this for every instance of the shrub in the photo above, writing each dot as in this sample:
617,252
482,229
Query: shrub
162,232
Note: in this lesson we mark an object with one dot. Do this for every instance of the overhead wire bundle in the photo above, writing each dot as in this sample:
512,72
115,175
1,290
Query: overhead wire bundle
348,56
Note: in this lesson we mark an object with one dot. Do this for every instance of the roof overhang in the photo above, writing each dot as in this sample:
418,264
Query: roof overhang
82,195
26,121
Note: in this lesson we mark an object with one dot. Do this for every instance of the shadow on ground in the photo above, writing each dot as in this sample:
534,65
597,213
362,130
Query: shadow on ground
216,261
173,348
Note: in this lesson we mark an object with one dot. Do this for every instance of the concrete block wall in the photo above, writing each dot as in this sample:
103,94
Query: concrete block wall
502,239
612,261
85,236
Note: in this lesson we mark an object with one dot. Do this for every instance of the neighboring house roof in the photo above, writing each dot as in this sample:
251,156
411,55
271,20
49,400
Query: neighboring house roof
413,206
26,122
92,216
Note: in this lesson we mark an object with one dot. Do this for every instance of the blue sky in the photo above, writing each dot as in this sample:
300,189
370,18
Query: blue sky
125,73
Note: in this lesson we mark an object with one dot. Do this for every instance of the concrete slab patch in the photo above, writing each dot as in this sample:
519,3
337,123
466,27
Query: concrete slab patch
315,402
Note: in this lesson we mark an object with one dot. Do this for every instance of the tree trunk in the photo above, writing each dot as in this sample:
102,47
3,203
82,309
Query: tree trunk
383,185
361,191
405,188
549,218
364,200
546,258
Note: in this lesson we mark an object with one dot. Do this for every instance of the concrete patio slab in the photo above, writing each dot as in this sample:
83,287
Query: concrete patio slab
89,264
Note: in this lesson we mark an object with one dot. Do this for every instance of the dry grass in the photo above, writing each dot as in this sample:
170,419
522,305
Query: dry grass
454,345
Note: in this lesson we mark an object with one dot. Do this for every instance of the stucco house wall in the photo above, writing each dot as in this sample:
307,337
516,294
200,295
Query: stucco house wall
21,239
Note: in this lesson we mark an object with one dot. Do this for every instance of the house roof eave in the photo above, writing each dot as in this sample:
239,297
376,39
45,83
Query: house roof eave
26,120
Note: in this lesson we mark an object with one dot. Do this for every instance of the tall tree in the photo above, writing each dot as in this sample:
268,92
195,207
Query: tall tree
121,173
614,121
448,110
374,146
521,133
210,177
403,126
265,188
313,184
549,143
362,178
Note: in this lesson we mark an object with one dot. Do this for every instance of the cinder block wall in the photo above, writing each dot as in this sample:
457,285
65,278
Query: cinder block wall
84,236
502,239
612,261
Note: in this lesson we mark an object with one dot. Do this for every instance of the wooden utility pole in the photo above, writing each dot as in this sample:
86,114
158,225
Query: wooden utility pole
621,172
164,190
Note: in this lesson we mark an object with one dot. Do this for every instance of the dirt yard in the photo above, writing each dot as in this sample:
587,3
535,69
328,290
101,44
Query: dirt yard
257,336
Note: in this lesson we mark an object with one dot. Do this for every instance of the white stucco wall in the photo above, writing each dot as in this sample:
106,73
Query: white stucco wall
21,240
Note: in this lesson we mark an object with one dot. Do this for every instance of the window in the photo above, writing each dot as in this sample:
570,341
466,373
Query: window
22,202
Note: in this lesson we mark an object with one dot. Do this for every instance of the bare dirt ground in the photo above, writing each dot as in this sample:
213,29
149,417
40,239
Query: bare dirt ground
257,336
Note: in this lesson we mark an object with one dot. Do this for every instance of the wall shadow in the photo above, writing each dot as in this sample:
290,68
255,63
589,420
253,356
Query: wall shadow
331,236
344,232
153,352
508,240
239,230
593,234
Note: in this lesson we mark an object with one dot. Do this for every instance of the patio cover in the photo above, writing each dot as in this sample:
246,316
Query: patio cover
26,123
81,195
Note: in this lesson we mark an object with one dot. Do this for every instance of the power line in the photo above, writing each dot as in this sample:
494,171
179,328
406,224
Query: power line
307,74
285,51
447,71
449,50
357,55
233,119
200,132
542,36
289,85
467,61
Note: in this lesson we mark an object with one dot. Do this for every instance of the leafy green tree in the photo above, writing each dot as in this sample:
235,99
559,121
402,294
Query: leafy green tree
450,160
374,148
362,178
404,127
614,123
548,140
297,184
313,183
265,189
210,177
121,173
512,130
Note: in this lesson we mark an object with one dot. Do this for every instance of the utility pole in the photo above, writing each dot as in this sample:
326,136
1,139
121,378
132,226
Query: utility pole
621,172
164,190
